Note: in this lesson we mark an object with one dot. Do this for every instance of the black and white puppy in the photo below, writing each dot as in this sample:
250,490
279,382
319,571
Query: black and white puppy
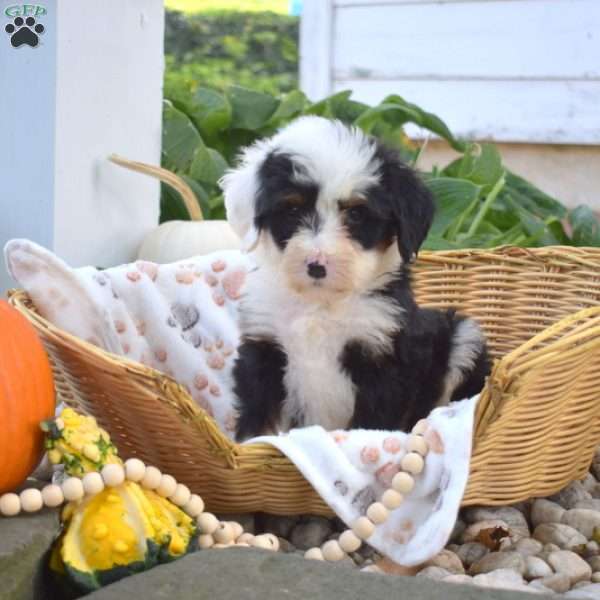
331,334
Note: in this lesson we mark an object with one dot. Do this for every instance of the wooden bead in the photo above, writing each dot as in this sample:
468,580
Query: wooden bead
262,541
194,506
363,527
220,546
332,551
223,534
236,528
391,499
10,505
349,542
92,483
207,523
245,538
72,489
167,486
420,427
151,479
242,545
417,443
403,483
135,469
52,495
377,513
59,423
181,495
113,475
314,554
31,500
206,541
273,540
412,463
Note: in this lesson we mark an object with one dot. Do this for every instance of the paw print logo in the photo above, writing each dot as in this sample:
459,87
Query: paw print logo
24,31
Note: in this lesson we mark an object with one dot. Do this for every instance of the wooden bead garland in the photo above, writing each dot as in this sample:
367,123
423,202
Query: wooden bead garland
213,533
363,528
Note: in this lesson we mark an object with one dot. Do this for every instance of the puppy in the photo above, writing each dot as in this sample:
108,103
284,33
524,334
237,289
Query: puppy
331,333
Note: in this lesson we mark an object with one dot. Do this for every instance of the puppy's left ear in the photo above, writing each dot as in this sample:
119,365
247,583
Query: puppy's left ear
240,187
411,202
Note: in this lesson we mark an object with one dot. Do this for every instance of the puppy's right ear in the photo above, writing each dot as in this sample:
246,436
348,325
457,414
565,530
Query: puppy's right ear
240,186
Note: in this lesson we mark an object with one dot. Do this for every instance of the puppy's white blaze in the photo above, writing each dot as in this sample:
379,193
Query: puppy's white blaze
339,160
467,344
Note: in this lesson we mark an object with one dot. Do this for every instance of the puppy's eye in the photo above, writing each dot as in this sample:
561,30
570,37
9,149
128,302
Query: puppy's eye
354,213
293,201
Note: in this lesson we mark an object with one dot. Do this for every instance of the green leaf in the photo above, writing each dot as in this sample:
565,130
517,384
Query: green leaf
250,109
437,243
586,230
291,106
210,111
481,164
328,106
180,139
428,121
537,201
208,165
453,197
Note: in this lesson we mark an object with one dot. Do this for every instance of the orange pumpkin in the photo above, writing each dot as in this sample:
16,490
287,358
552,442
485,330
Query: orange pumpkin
26,397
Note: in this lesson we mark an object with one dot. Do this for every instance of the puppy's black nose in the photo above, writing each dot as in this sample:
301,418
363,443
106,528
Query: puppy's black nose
316,271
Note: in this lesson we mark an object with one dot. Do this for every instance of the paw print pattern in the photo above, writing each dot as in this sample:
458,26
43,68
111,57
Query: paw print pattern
24,31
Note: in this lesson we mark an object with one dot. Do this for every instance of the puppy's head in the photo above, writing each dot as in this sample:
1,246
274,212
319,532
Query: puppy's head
328,206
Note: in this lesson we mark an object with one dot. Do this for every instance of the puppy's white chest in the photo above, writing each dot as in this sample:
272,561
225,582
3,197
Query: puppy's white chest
318,390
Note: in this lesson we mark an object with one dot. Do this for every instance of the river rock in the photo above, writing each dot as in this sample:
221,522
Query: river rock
571,565
545,511
528,547
568,497
514,518
582,519
562,535
536,568
499,560
589,591
447,560
471,552
310,532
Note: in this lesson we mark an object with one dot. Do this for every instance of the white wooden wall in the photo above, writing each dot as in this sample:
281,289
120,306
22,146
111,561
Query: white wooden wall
508,70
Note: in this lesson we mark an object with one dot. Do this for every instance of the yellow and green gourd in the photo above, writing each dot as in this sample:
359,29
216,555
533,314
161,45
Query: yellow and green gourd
118,532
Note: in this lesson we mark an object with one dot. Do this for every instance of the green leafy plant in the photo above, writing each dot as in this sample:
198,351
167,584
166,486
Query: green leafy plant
480,203
215,49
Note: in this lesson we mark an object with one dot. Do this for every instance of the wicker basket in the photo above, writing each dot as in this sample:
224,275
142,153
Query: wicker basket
537,423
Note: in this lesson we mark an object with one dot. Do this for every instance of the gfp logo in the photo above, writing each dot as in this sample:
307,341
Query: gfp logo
24,29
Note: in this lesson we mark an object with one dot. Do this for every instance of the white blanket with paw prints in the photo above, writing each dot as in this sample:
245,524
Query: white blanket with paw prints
181,319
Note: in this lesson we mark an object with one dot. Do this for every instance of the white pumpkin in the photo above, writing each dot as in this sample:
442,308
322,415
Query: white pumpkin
178,240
